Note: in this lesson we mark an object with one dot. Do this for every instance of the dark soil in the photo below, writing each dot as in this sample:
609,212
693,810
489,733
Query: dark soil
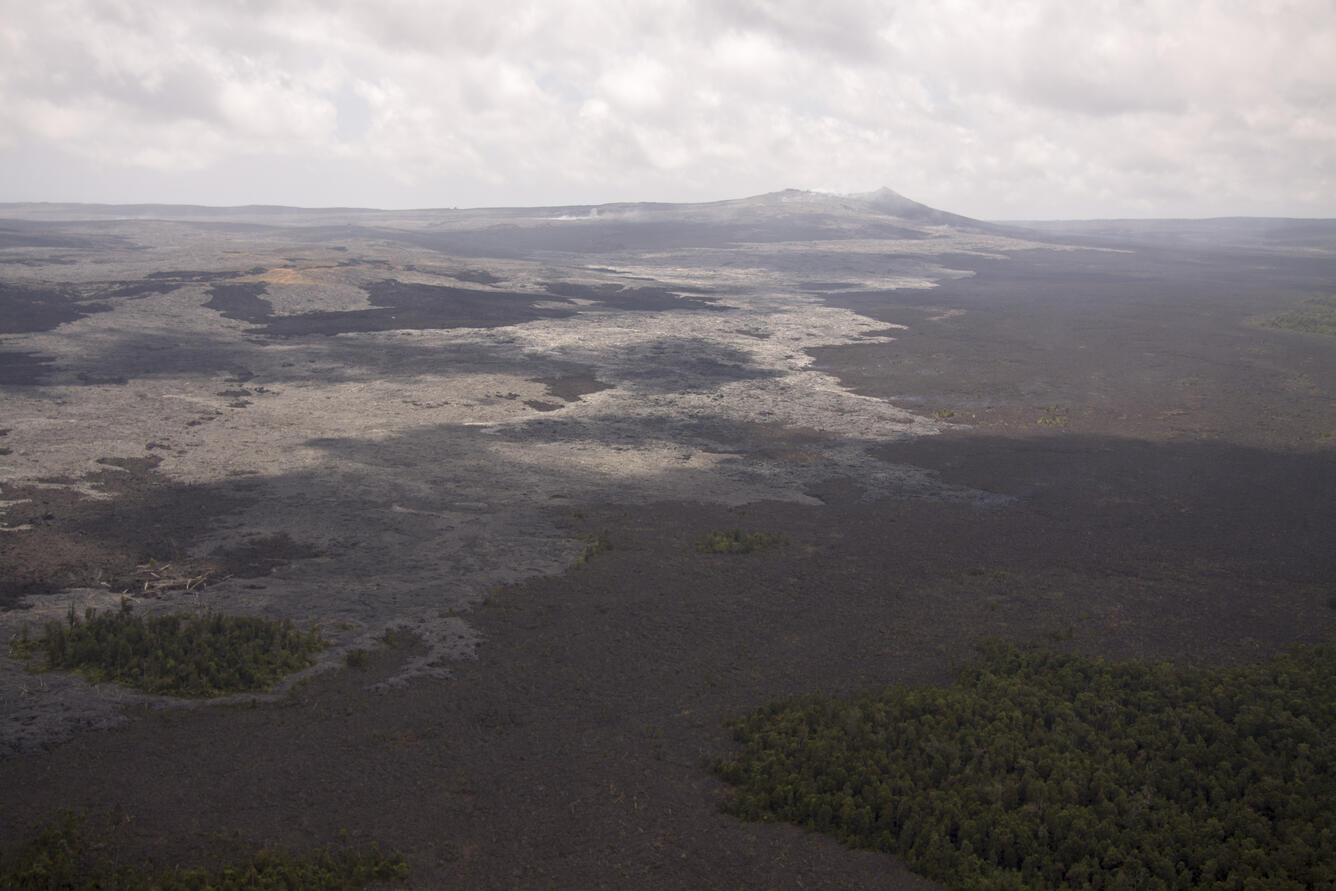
399,305
570,387
260,555
25,308
136,540
573,752
20,369
1146,344
241,302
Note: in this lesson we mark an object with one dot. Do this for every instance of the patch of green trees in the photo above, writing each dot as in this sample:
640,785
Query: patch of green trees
64,856
1038,769
736,541
593,544
195,655
1315,316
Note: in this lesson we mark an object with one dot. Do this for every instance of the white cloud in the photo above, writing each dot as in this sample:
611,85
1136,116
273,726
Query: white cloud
638,84
1173,107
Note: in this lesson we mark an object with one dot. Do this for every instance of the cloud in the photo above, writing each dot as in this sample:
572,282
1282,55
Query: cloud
1033,109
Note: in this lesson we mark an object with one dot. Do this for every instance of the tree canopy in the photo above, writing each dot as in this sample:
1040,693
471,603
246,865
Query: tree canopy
1038,769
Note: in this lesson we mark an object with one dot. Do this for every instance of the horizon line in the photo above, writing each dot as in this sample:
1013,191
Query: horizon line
883,191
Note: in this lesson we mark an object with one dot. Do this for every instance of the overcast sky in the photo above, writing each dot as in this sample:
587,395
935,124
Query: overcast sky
995,110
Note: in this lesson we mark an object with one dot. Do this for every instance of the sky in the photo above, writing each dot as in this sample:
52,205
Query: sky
1015,110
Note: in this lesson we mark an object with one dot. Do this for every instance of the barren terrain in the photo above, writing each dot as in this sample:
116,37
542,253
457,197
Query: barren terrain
416,421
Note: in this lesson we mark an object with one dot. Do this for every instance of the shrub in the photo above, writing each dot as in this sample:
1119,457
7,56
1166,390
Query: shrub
735,541
594,544
64,856
184,654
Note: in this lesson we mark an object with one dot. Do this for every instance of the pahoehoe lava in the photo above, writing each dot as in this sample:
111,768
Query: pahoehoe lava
479,444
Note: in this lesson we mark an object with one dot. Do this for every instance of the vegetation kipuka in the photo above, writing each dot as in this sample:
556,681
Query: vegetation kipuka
65,855
184,654
736,541
1315,316
1045,770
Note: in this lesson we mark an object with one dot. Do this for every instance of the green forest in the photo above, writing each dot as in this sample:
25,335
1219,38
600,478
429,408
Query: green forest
1039,769
195,655
66,856
1315,316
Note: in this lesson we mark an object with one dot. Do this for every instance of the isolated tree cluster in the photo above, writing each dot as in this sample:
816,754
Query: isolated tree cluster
65,855
736,541
1045,770
183,654
1315,316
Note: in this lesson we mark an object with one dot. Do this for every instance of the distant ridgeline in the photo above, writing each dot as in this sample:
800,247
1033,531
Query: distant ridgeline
1045,770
